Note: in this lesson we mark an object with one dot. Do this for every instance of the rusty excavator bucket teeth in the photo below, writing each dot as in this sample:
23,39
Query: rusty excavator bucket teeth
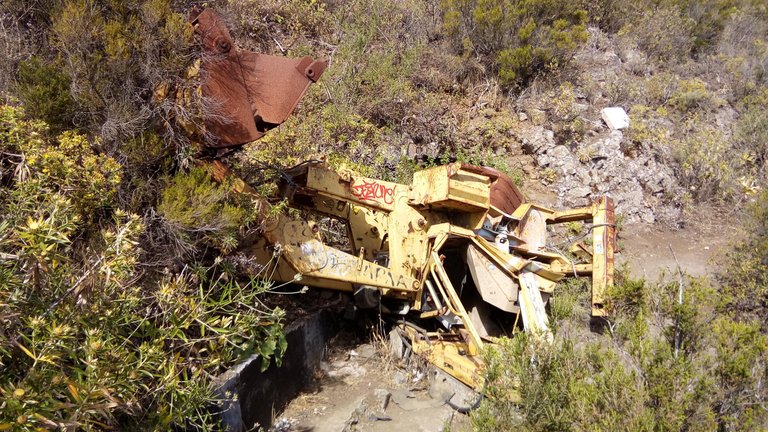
246,93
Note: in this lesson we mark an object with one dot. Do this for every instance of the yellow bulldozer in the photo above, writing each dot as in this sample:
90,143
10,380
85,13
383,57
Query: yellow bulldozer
457,258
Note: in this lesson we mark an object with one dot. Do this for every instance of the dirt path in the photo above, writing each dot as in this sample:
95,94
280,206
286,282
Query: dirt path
699,248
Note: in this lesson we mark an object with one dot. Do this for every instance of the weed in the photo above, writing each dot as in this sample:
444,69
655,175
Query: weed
549,175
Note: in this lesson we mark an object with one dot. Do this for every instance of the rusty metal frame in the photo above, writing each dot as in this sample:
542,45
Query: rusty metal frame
245,93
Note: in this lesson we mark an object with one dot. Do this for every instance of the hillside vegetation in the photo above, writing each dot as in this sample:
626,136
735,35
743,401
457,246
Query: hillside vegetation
122,291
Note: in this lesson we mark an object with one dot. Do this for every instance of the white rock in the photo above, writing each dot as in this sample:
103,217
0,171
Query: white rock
615,117
559,152
580,192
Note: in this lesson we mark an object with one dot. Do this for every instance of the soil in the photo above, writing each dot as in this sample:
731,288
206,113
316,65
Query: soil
361,388
658,252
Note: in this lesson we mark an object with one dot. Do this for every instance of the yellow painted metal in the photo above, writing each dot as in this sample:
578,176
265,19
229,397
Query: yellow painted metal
521,211
445,297
603,241
379,217
351,188
601,213
397,233
475,343
451,187
574,215
302,249
570,269
452,356
512,264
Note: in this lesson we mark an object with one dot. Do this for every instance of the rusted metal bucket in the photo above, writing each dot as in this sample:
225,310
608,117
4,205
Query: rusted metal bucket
246,93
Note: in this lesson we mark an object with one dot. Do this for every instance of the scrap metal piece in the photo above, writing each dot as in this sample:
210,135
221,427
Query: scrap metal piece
505,196
494,285
424,229
604,244
535,319
246,93
602,215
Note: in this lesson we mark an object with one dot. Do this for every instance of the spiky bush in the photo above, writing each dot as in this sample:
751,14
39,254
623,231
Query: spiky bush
670,359
89,339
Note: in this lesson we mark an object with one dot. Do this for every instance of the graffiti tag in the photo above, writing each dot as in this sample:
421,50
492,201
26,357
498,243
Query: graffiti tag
372,191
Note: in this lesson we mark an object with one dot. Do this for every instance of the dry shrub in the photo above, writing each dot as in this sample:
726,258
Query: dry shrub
663,33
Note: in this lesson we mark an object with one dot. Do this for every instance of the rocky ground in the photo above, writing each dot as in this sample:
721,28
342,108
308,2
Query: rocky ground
361,388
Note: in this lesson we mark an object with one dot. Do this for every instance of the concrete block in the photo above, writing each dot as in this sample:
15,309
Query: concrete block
248,396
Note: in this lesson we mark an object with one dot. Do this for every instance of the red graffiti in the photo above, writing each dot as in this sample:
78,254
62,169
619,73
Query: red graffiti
372,191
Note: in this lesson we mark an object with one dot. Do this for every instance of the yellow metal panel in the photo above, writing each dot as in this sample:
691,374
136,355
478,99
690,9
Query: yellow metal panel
447,355
475,344
603,244
310,257
450,187
370,192
512,264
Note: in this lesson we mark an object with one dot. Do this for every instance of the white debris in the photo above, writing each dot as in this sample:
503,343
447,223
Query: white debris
283,425
615,117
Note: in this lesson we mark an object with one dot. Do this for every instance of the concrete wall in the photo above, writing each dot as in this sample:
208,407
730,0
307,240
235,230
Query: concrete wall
250,396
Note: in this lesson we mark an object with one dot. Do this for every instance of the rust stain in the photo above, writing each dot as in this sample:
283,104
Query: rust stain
504,194
247,93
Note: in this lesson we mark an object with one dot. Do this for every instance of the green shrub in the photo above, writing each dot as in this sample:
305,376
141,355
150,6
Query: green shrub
660,88
562,387
203,209
710,18
667,363
297,21
707,166
664,33
742,50
739,375
519,40
44,89
745,277
87,341
751,139
647,130
690,95
67,165
117,55
612,15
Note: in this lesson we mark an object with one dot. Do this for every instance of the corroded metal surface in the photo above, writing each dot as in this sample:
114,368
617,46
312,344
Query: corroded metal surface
505,196
409,244
246,93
